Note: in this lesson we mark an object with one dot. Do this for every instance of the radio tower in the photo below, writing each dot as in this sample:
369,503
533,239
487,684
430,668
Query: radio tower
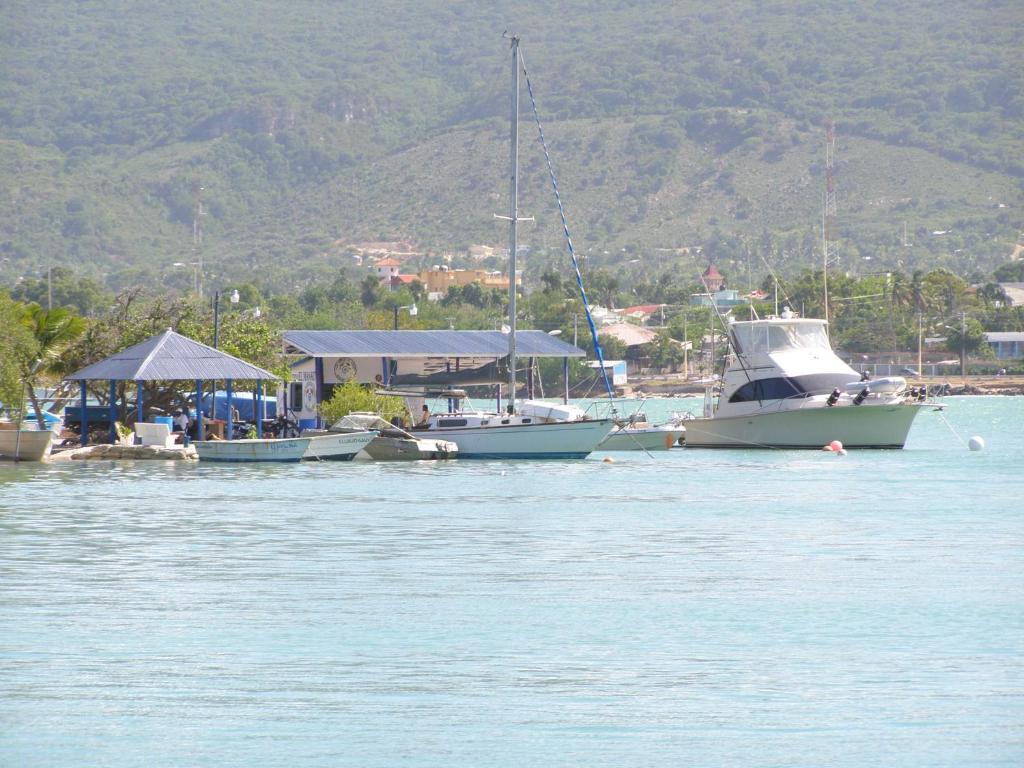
829,212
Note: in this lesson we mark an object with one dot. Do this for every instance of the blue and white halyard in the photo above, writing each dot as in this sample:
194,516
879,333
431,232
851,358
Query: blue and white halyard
531,430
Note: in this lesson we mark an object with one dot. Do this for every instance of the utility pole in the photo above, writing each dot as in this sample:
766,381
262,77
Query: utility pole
963,345
828,215
920,334
197,242
49,289
686,348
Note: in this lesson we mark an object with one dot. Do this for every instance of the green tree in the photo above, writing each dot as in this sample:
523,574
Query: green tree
353,396
964,339
18,348
54,331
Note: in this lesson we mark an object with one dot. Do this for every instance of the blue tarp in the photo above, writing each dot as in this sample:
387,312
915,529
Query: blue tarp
242,402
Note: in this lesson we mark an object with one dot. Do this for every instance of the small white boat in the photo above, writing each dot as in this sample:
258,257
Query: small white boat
284,449
637,434
537,430
336,446
394,443
25,444
784,387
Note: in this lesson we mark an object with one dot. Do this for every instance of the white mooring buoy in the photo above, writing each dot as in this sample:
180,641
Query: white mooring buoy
976,443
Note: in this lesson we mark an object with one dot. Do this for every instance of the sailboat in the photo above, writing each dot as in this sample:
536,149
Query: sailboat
532,429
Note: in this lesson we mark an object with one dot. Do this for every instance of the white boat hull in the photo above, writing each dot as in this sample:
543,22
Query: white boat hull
25,444
641,439
554,440
383,448
865,426
246,451
337,446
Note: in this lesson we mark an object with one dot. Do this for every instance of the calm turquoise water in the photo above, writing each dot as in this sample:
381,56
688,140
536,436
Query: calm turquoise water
712,608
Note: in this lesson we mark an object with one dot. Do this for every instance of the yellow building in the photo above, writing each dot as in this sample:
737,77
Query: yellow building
437,280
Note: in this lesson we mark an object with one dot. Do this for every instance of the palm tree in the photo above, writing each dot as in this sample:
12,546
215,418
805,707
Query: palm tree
917,294
53,331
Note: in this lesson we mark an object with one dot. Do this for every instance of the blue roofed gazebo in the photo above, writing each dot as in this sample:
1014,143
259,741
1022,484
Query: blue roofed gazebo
169,356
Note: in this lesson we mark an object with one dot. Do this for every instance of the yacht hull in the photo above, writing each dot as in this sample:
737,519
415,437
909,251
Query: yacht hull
555,440
398,449
874,426
641,439
337,446
25,444
247,451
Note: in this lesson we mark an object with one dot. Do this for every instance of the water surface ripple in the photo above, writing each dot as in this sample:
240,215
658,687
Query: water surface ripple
712,608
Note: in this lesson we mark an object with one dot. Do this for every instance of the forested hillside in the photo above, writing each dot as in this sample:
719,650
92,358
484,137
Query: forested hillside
312,125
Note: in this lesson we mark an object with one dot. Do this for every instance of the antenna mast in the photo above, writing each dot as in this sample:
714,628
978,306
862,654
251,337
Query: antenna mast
829,212
197,242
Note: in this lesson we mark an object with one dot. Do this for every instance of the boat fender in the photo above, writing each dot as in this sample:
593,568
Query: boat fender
833,398
861,396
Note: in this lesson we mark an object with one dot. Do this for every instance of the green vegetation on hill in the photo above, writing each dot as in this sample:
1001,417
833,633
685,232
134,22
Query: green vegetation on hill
314,125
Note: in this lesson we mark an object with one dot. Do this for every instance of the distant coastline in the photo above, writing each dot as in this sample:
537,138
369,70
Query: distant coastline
974,385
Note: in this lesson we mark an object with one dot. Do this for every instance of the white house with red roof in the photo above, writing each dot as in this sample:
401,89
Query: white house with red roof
641,312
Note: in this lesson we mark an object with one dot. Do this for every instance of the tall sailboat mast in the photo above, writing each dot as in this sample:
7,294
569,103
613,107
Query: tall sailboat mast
513,221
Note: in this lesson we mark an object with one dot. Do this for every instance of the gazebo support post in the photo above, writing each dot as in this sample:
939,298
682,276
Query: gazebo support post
257,409
229,386
85,415
318,368
113,411
139,418
565,377
199,410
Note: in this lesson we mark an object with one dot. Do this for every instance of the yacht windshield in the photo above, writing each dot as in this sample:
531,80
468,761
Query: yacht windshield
761,338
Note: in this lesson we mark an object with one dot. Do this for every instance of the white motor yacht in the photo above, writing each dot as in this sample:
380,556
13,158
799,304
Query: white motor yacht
784,387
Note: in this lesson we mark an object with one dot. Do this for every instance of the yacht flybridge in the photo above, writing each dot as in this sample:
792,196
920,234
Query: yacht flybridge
785,387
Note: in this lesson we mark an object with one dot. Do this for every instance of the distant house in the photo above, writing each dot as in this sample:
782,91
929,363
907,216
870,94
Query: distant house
397,281
438,279
617,368
726,298
603,315
1014,294
1007,345
713,279
629,334
480,252
387,268
642,312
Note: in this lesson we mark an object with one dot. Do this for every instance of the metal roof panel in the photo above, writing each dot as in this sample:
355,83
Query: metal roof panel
399,344
169,356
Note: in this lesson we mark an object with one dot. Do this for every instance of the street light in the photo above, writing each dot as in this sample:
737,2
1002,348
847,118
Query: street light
412,312
963,343
216,313
196,266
